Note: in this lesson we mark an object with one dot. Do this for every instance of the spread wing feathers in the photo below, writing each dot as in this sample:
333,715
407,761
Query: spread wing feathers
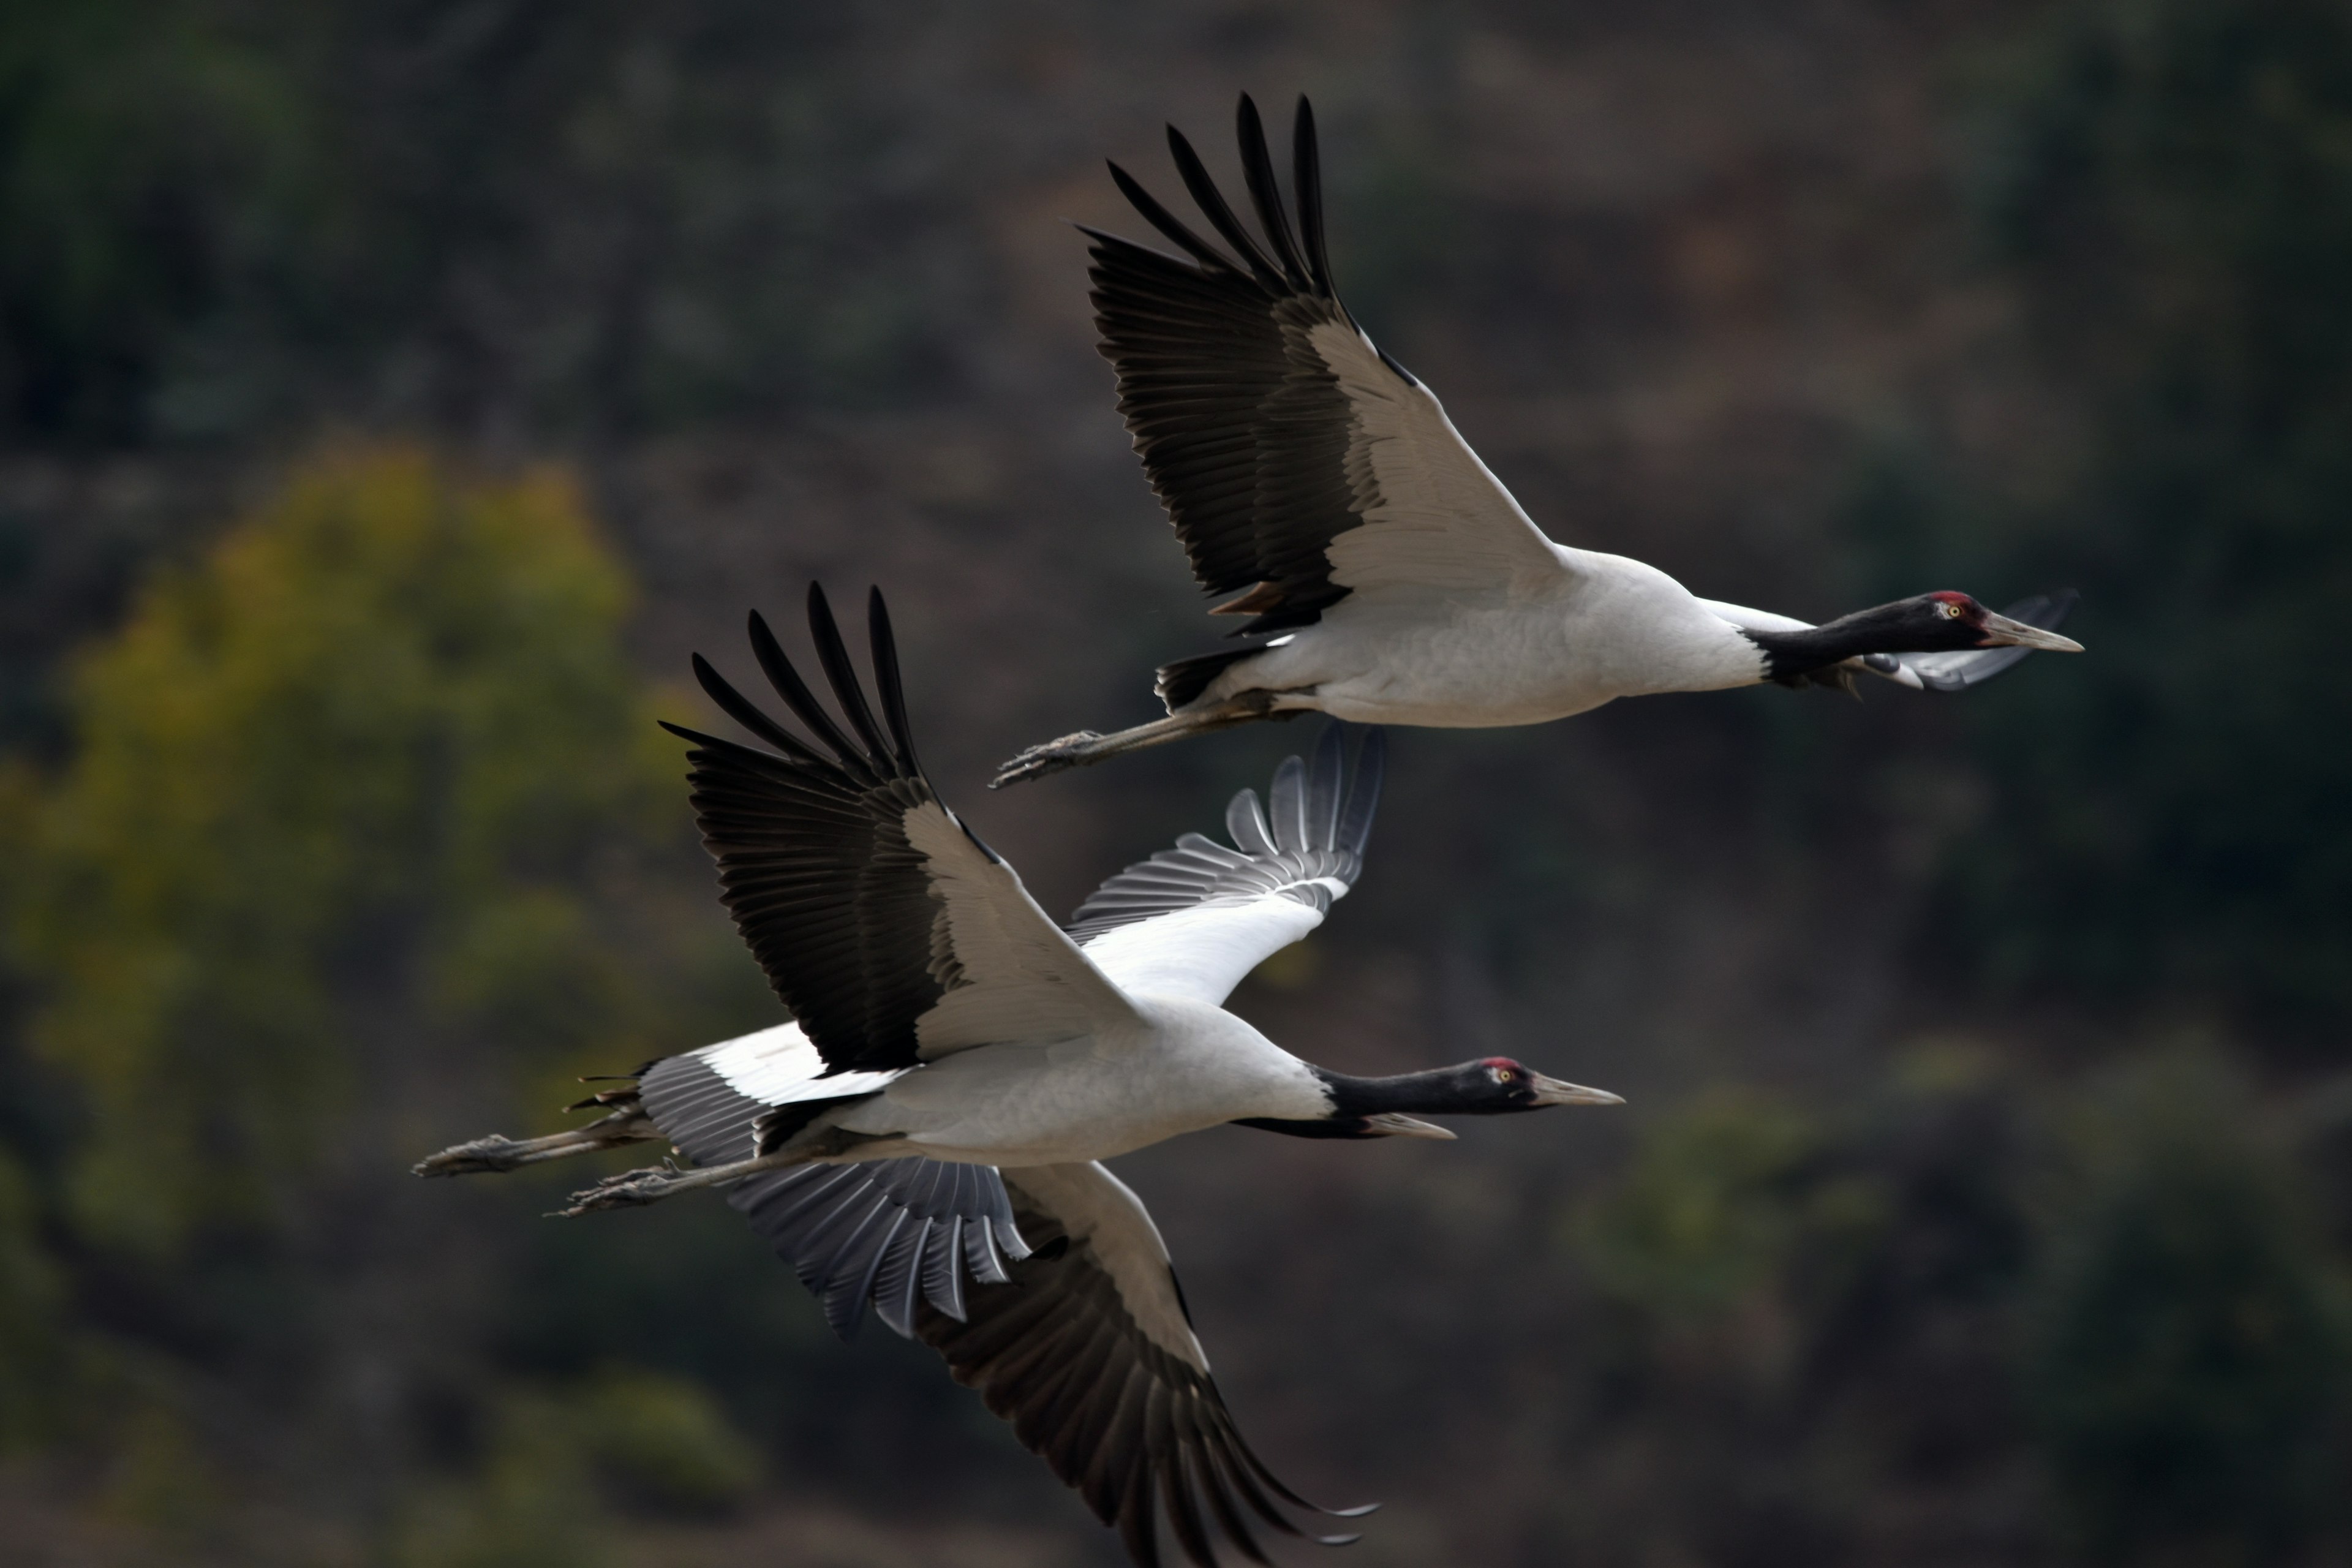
891,932
1974,667
1089,1353
891,1232
898,1233
1297,461
1192,920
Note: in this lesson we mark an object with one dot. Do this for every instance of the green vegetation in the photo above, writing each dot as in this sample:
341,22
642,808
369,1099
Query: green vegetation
359,807
2132,1273
347,781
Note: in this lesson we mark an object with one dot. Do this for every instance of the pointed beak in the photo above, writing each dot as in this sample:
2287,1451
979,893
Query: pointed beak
1390,1124
2002,632
1553,1091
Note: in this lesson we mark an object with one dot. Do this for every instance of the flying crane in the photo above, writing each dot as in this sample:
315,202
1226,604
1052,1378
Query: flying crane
1388,578
925,1136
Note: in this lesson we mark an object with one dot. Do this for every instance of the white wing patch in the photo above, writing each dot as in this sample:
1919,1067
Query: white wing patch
1435,518
779,1067
1203,952
1022,978
1191,922
1099,1209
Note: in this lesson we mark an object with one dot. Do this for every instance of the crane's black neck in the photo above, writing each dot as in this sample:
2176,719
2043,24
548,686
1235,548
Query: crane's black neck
1919,625
1467,1088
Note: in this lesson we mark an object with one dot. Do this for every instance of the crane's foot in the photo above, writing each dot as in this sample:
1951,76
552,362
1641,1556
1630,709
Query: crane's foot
1052,757
630,1189
1087,747
634,1189
629,1124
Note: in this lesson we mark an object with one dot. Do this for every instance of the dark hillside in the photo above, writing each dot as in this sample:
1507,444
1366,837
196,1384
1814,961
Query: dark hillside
392,393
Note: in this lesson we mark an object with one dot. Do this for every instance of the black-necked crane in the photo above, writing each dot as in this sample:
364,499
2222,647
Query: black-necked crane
1391,578
926,1134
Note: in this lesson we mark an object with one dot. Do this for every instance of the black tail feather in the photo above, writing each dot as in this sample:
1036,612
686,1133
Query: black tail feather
1183,681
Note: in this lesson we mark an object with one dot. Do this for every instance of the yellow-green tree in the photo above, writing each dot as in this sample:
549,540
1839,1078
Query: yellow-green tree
342,797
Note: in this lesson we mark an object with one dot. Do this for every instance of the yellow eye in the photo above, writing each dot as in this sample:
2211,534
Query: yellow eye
1502,1074
1951,611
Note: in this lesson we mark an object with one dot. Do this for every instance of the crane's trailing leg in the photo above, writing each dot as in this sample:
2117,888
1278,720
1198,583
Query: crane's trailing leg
1087,747
634,1189
626,1125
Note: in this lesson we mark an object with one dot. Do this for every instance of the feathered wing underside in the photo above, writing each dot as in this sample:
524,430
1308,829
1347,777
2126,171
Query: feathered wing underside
748,1096
1089,1353
1192,920
891,933
888,1232
901,1234
1298,463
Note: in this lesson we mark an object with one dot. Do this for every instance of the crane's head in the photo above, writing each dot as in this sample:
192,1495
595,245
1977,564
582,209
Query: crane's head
1386,1107
1491,1086
1498,1086
1945,623
1927,623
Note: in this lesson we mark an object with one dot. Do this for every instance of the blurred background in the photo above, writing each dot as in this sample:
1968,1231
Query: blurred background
394,391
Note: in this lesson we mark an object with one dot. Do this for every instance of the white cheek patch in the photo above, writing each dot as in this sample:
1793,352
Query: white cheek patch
779,1067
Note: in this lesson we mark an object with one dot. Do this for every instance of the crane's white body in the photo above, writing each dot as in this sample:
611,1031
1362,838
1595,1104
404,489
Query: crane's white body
1599,627
1182,1066
1169,1060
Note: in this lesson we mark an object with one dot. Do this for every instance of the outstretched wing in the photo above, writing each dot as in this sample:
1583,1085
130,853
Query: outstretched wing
891,932
1297,461
1088,1351
888,1232
1192,920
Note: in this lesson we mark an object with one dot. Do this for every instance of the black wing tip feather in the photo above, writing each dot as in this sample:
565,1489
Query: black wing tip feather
1166,222
1306,189
848,692
866,752
1213,206
1182,1459
1257,173
1299,262
889,687
1202,346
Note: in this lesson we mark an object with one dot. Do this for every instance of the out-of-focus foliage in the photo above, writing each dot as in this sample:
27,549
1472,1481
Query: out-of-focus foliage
348,778
2190,1337
359,819
32,1294
1871,1302
2172,181
555,1459
595,217
155,158
1718,1201
344,834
